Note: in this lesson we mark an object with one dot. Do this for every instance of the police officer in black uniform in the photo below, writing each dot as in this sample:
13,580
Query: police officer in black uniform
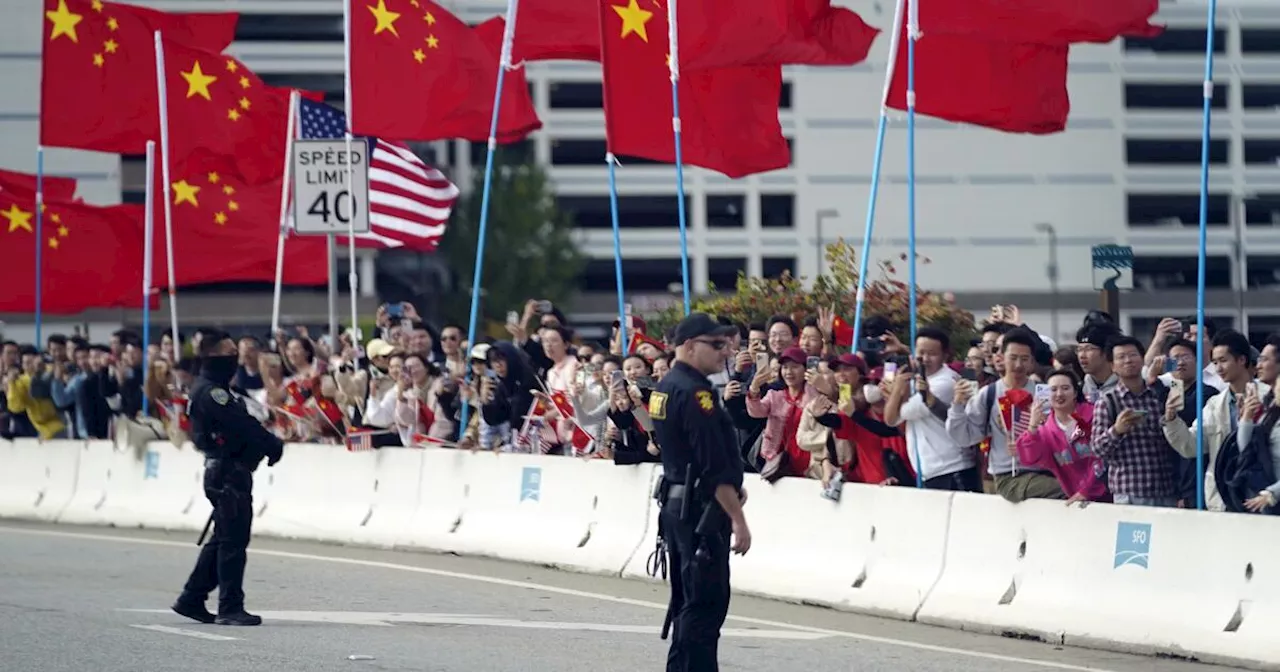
234,443
701,494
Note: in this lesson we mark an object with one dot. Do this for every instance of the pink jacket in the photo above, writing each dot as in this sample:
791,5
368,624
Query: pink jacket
1072,461
773,406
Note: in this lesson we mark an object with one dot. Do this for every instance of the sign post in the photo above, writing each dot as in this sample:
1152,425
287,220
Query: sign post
1112,272
331,198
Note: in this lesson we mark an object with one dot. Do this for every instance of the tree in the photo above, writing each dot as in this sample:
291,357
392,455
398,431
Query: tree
529,247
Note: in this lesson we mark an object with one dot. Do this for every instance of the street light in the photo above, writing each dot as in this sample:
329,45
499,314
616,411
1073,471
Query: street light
819,239
1052,272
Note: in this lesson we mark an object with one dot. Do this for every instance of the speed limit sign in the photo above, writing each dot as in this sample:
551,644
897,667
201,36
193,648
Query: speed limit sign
330,187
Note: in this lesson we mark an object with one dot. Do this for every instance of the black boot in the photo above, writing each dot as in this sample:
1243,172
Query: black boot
192,609
240,617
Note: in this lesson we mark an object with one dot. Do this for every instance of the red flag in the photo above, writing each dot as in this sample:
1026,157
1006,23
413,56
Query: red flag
820,34
1052,22
1007,86
92,256
98,82
729,117
55,188
419,73
217,103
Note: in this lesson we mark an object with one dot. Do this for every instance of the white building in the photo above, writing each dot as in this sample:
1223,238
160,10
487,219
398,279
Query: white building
1126,171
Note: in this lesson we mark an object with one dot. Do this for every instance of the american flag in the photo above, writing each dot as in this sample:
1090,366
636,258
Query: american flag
409,201
359,441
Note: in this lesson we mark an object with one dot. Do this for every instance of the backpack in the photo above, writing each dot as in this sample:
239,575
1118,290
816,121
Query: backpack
1241,473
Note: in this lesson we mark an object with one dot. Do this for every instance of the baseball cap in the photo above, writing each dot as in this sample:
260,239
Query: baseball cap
480,352
849,359
379,348
797,355
697,325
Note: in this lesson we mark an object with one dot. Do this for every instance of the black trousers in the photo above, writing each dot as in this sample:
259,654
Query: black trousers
965,480
229,487
700,590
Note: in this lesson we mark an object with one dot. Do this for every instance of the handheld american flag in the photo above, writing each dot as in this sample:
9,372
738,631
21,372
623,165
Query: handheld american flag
409,201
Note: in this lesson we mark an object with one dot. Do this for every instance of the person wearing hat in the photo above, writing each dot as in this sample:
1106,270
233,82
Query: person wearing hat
701,495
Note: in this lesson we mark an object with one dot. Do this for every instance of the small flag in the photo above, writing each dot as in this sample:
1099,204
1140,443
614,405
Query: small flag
359,441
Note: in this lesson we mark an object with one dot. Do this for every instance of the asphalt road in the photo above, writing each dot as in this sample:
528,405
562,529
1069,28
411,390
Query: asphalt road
75,599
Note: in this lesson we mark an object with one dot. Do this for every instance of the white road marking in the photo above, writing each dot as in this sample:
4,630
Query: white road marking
390,619
888,641
185,633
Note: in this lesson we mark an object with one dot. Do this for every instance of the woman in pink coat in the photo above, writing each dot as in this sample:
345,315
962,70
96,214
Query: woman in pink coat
1059,440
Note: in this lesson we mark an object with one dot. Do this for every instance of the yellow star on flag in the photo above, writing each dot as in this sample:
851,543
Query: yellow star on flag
110,46
96,5
430,19
64,22
63,231
98,60
185,192
53,242
245,83
433,42
233,206
220,218
419,55
18,218
634,19
198,82
228,190
112,23
244,103
386,18
232,66
57,219
214,178
233,114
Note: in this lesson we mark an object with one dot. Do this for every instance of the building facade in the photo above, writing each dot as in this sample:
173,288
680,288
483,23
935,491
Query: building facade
992,209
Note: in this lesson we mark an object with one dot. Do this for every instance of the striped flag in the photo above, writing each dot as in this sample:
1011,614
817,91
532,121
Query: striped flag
409,201
359,441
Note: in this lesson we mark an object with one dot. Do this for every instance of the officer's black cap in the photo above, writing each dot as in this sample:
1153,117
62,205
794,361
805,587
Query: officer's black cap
697,325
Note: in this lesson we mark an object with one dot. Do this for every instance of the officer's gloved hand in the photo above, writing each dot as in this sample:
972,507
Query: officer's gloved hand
275,457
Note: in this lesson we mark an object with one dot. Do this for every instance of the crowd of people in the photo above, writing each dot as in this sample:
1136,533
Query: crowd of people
1107,419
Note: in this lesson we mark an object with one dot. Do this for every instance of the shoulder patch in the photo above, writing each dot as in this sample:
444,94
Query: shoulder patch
705,402
220,396
658,405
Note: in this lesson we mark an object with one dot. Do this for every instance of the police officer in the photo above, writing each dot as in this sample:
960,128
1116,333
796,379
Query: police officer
234,443
701,494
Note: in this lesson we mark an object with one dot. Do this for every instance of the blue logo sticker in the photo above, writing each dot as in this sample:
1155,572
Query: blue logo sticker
1133,544
151,466
531,484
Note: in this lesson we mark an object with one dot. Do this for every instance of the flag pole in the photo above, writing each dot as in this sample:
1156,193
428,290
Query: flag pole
612,160
504,62
168,204
285,186
875,178
148,257
674,44
353,280
39,241
913,34
1200,279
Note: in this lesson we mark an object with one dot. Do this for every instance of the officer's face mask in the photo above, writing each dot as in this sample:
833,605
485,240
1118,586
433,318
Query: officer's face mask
221,369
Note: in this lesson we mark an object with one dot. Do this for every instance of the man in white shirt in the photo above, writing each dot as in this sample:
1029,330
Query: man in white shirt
942,463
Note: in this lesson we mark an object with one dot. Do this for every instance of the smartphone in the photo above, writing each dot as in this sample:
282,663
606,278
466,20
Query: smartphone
846,393
1170,365
513,318
1042,392
1140,414
617,379
762,362
969,374
626,309
395,311
1176,388
544,307
890,371
812,362
491,374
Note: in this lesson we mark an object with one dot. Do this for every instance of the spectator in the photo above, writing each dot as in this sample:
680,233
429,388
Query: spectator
92,410
419,410
512,397
1127,436
248,376
1269,361
454,359
628,436
56,349
1059,436
783,334
1185,470
973,416
1090,349
944,463
662,366
812,339
66,388
122,387
40,413
1222,413
782,409
167,350
160,388
1065,357
1211,376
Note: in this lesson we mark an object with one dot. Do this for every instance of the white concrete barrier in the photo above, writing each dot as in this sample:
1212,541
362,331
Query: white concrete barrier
316,492
441,494
37,479
93,481
397,477
162,489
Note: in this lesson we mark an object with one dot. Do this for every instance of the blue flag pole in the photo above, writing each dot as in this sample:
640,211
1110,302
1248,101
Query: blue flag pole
913,33
39,240
1200,281
504,62
674,44
148,253
617,253
875,180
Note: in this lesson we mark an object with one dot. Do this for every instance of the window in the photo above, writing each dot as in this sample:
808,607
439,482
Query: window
289,28
638,275
1264,152
791,145
1172,96
578,152
133,171
576,96
1260,40
331,85
1154,273
726,211
784,100
1263,273
773,267
1178,41
722,274
1262,210
1164,209
133,197
634,212
1261,96
777,211
519,151
1173,151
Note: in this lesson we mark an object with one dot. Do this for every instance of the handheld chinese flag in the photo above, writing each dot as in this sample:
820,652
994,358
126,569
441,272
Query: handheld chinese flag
55,188
92,255
729,116
419,73
98,82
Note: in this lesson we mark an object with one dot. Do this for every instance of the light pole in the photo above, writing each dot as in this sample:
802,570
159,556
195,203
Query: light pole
1052,273
819,240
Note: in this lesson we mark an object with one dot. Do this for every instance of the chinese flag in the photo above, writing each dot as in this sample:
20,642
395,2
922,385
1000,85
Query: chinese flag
820,34
1006,86
419,73
55,188
98,82
729,117
1052,22
225,230
217,103
92,256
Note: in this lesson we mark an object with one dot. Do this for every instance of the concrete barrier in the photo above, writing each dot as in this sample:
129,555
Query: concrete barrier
316,492
37,479
162,490
397,480
93,482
